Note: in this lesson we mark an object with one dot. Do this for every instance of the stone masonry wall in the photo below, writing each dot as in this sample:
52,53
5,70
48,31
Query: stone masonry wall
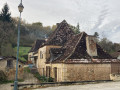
87,72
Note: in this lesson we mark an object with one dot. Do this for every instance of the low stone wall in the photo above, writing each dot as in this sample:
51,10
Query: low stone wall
51,84
87,72
11,74
115,77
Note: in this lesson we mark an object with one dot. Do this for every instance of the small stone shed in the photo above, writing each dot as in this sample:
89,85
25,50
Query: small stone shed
8,66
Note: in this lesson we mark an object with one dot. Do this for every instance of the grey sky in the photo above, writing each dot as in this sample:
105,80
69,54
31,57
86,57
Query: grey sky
102,16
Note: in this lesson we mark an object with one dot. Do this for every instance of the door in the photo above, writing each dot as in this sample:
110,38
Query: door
55,74
48,71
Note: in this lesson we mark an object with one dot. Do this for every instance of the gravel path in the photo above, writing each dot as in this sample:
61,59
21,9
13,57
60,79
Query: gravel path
99,86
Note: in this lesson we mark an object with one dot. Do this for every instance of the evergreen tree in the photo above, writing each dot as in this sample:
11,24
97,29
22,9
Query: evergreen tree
77,28
5,15
96,35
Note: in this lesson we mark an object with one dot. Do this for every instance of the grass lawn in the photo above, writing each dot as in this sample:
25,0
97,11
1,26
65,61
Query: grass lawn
23,52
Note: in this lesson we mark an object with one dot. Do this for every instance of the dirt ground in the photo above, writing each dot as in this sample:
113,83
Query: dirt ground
98,86
5,86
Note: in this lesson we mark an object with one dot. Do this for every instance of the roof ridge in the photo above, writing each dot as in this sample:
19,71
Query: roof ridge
58,27
75,46
64,24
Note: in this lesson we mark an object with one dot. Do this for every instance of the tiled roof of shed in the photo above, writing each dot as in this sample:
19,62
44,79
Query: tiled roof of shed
10,58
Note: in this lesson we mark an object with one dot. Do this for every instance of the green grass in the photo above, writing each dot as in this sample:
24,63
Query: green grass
23,52
26,69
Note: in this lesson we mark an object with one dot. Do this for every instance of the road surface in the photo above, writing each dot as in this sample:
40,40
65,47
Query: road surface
98,86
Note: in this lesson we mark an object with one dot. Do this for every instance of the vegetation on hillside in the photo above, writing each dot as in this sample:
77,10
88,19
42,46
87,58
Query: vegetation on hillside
106,44
23,52
28,33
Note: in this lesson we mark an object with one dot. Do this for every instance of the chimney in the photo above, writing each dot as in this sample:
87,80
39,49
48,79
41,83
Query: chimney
91,45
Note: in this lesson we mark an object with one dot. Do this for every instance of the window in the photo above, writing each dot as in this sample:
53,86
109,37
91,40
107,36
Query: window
41,55
19,66
10,63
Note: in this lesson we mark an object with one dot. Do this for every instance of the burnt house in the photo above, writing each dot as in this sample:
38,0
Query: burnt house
66,56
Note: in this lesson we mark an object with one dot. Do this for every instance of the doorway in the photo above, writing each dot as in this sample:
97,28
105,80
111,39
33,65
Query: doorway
55,74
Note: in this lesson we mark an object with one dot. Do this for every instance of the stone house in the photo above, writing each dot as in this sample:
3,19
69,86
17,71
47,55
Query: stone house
8,66
35,47
69,57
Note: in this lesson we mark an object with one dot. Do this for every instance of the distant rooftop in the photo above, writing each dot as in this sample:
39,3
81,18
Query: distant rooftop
38,43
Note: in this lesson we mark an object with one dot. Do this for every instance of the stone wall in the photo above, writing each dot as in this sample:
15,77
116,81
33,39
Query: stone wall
115,68
91,46
45,55
87,72
30,57
60,72
10,72
82,72
3,65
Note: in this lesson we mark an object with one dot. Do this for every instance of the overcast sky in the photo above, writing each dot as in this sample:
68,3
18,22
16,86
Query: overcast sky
102,16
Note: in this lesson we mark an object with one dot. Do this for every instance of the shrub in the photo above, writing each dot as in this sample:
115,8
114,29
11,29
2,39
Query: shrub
41,78
27,70
3,77
50,79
